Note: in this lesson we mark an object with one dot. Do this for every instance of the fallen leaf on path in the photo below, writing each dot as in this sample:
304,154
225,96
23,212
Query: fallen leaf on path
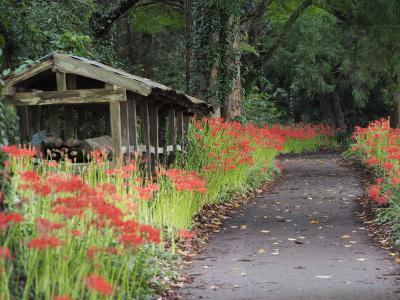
243,227
261,250
397,260
392,254
265,231
243,274
314,221
233,227
323,276
291,239
361,259
346,236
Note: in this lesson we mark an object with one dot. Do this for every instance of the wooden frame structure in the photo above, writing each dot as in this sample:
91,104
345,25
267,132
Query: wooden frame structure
72,82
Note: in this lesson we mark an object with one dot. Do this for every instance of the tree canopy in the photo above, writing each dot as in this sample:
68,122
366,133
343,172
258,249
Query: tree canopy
332,61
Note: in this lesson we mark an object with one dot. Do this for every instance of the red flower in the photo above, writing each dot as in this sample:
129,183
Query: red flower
5,253
44,225
98,284
30,176
75,232
44,242
62,297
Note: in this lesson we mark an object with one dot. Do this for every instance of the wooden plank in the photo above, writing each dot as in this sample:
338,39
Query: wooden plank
115,119
53,120
35,118
172,128
124,125
38,68
23,116
154,133
179,127
145,125
68,64
61,80
132,117
66,97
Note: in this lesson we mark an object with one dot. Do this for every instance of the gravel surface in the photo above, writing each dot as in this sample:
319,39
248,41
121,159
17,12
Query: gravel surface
302,240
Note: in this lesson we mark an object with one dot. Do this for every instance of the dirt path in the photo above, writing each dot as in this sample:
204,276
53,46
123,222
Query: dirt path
302,240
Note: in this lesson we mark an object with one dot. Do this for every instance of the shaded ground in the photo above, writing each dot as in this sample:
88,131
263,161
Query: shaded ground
302,240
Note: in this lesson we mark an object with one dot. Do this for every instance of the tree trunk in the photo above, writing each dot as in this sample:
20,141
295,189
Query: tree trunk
145,54
395,115
328,114
188,41
339,117
234,106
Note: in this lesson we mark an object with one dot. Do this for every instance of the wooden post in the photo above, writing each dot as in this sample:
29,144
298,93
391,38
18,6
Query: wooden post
125,127
179,129
162,116
70,84
172,128
145,124
186,124
61,79
132,118
115,117
154,133
23,117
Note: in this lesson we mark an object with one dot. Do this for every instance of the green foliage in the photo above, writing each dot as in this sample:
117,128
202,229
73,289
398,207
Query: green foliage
156,19
260,106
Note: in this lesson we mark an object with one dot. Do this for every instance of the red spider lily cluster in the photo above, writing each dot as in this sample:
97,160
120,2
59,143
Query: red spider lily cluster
93,229
379,145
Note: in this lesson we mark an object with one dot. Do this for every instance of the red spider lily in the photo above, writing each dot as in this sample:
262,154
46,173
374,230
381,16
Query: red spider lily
379,180
41,189
99,284
44,242
388,166
16,152
186,181
146,192
5,253
131,240
153,235
44,225
67,212
61,297
30,176
107,188
372,161
98,155
185,234
75,232
6,219
395,181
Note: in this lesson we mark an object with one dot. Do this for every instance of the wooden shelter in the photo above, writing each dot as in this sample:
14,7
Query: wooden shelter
69,96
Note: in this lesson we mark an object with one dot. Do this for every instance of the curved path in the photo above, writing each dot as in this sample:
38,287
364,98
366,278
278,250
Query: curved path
302,240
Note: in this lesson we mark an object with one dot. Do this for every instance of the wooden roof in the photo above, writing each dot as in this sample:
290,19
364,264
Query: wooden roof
72,64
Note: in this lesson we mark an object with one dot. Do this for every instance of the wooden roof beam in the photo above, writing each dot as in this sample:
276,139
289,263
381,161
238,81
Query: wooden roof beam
66,97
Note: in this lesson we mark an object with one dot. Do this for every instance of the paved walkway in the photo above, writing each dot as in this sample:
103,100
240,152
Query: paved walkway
302,240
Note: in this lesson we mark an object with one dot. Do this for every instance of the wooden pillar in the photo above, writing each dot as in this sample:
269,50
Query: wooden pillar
61,79
186,124
179,127
154,133
162,117
23,116
115,119
145,125
68,109
172,128
125,127
132,118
